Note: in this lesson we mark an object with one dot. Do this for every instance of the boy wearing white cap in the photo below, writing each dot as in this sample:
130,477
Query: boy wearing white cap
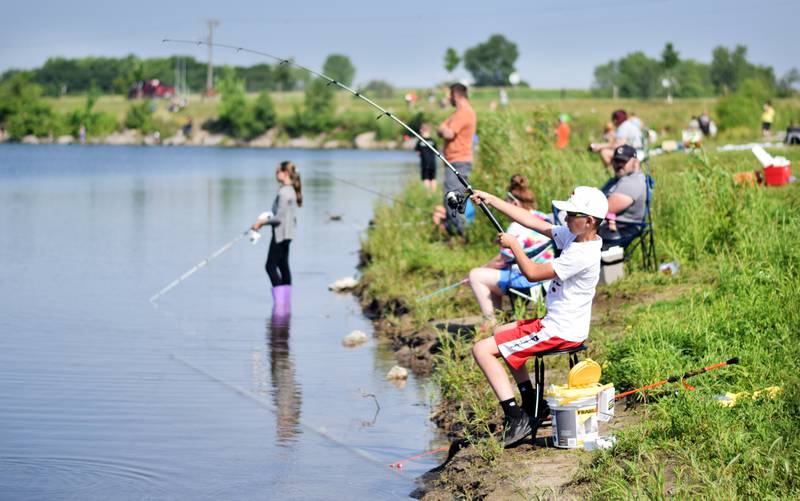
574,276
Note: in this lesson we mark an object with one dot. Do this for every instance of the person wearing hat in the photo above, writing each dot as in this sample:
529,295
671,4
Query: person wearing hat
628,132
627,199
573,275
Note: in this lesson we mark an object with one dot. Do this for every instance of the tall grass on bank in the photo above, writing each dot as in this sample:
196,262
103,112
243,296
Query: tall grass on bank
736,295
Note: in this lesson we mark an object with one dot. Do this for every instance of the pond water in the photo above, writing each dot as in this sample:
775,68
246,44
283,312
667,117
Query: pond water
204,397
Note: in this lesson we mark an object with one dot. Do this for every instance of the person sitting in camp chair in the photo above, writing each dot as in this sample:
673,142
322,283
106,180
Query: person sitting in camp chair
627,199
491,281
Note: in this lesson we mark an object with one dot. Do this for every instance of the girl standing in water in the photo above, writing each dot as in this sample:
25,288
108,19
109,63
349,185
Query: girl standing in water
283,220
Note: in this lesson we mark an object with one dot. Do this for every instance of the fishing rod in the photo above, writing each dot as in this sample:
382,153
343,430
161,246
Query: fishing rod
533,255
254,237
384,111
681,378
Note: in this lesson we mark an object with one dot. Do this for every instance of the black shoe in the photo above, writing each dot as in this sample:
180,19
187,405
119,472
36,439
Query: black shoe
516,429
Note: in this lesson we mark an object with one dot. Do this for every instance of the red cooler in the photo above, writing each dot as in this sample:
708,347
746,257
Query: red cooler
777,176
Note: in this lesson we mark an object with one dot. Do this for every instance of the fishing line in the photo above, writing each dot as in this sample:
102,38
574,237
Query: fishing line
376,192
191,271
383,111
266,405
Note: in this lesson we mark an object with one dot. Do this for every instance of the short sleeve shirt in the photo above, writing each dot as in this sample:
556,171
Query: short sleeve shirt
629,132
633,185
570,296
463,123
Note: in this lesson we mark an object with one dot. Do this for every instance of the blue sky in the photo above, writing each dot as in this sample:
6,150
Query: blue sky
560,43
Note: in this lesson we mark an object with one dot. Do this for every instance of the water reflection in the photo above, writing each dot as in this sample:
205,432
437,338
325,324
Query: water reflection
286,392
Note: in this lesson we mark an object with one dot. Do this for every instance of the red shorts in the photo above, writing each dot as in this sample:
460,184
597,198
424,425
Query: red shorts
519,343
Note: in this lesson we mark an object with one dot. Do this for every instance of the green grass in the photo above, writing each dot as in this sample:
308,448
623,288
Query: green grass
539,106
736,295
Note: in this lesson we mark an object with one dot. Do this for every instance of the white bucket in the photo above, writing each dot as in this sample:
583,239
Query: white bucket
605,405
574,422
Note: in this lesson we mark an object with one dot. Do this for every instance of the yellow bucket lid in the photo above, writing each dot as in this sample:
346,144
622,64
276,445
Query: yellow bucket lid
566,394
584,374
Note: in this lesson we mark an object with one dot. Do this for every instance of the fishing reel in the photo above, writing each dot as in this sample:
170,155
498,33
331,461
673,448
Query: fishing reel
457,201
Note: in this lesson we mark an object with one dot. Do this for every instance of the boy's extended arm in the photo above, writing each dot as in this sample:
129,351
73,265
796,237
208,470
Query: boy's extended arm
518,214
535,272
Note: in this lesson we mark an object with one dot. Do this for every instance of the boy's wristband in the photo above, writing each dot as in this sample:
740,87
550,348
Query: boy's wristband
611,216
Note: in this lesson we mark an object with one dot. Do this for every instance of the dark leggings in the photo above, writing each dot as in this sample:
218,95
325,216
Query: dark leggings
278,263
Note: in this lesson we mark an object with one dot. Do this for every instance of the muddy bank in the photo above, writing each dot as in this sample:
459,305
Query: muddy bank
531,470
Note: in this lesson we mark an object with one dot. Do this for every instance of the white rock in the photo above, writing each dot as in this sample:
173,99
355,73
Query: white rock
397,373
265,140
343,284
365,141
355,338
127,136
65,140
30,139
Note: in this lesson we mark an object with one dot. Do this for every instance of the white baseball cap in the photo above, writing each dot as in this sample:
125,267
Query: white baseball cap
586,200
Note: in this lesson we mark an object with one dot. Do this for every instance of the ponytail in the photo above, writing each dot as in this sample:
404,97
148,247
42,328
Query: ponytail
289,167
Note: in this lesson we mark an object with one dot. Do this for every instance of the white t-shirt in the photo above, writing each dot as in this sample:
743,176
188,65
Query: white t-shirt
569,298
630,133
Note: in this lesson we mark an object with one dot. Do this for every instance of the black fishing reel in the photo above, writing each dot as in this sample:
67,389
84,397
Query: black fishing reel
457,201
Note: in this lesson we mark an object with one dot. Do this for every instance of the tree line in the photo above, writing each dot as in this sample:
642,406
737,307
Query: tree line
637,75
110,75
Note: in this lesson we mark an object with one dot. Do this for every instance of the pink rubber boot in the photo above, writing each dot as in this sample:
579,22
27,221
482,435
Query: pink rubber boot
282,300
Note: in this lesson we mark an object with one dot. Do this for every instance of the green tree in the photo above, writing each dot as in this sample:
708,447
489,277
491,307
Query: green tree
693,79
264,113
378,88
22,110
96,123
491,62
139,116
730,68
669,57
451,59
787,85
339,67
743,107
605,78
638,76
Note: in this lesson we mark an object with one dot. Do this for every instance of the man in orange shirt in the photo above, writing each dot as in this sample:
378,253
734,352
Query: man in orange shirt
457,132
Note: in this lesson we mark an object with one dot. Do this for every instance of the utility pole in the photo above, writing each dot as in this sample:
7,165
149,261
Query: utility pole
211,23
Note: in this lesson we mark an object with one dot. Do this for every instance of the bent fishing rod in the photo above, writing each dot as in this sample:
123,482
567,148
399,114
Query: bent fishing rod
384,111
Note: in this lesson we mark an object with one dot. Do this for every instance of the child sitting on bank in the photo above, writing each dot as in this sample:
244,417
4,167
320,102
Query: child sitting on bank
574,276
491,281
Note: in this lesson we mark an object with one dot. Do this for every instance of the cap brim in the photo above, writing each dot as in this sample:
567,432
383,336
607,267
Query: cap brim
565,205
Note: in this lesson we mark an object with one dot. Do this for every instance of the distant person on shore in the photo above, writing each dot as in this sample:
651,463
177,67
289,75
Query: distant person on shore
457,131
627,132
427,158
283,219
574,276
562,131
82,134
491,281
767,117
707,125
